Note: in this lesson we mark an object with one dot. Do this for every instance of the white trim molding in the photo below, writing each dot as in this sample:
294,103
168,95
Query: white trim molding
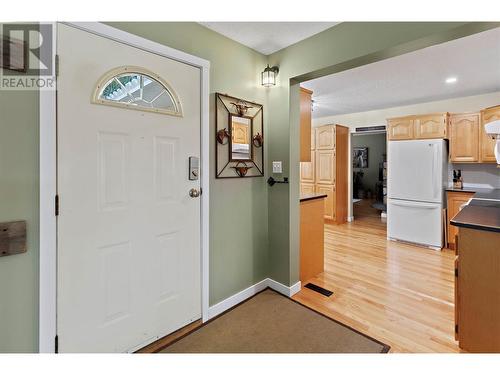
48,178
47,296
239,297
252,290
283,289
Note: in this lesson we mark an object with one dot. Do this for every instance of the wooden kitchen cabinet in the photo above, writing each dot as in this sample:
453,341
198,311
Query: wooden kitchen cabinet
464,137
400,128
325,137
468,141
312,240
307,188
329,190
477,294
307,169
305,124
325,166
431,126
487,142
329,164
455,199
457,294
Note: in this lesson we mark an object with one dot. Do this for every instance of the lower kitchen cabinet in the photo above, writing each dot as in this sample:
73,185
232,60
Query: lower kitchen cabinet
477,294
307,188
329,190
455,200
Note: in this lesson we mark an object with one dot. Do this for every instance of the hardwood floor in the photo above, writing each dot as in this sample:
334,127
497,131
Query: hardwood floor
397,293
364,208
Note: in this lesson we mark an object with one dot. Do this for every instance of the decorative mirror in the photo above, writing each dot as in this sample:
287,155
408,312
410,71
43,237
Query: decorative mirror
239,136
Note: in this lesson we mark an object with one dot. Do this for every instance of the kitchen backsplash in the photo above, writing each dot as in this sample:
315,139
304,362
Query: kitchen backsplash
476,175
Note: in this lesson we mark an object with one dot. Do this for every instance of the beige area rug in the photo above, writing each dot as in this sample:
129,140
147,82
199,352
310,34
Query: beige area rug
272,323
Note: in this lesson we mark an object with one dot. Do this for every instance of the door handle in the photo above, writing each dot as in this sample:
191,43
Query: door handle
414,205
194,193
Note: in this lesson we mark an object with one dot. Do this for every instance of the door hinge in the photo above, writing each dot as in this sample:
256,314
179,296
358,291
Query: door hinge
456,272
56,205
56,344
57,65
456,328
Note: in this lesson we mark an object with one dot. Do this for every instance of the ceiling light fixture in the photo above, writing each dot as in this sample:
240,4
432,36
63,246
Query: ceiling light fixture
268,76
451,80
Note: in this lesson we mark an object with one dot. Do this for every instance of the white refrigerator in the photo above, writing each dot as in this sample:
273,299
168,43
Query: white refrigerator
416,178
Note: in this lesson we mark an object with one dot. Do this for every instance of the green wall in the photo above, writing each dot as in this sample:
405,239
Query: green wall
19,201
254,229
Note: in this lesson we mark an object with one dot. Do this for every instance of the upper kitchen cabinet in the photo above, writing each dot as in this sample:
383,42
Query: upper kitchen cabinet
325,137
417,127
400,128
487,142
431,126
305,124
464,137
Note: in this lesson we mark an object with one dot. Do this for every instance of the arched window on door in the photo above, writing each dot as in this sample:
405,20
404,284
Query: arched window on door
137,88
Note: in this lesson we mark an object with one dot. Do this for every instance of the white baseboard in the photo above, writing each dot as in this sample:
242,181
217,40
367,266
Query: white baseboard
239,297
283,289
229,302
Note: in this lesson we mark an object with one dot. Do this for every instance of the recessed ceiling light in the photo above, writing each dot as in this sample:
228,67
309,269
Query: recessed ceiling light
451,80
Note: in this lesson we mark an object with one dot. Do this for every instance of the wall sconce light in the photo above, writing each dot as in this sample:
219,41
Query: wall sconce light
269,76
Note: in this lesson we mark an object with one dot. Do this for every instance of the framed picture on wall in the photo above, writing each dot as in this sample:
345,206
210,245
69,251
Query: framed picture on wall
360,157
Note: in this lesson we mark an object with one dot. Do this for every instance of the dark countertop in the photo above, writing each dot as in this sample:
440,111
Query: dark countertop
471,190
480,213
308,197
493,194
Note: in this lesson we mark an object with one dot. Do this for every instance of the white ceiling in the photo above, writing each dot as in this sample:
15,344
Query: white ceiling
412,78
268,37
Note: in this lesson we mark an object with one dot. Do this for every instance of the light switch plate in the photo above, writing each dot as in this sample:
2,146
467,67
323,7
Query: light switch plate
277,167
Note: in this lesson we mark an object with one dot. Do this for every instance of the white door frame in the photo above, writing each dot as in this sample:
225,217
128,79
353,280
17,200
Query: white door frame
48,178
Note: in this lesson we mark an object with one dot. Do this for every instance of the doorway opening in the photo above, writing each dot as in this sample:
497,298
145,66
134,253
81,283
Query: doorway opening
376,270
369,175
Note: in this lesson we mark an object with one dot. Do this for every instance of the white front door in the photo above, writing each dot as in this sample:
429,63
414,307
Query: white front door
128,230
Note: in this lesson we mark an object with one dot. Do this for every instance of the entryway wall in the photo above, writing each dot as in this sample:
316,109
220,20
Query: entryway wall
234,204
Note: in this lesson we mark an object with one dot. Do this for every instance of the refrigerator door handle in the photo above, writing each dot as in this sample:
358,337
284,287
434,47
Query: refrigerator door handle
414,204
433,170
435,179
